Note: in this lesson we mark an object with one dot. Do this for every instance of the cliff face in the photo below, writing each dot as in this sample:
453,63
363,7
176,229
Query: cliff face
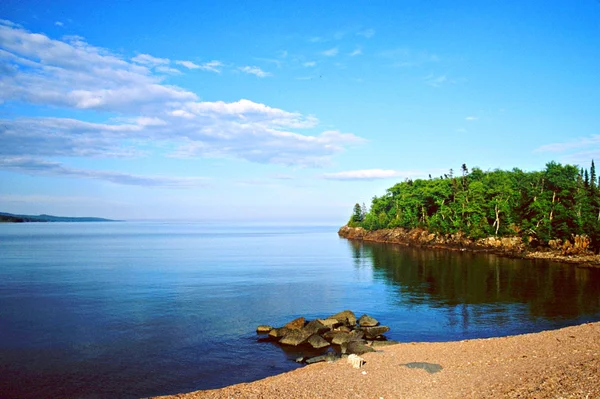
570,251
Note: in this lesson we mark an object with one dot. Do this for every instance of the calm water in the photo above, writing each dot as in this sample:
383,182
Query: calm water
139,309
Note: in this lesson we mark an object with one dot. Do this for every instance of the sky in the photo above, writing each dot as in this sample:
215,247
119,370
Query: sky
283,111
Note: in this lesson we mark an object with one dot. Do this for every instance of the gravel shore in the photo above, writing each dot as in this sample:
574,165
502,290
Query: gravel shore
562,363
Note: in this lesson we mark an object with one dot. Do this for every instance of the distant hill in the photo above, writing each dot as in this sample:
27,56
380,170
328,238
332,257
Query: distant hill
11,218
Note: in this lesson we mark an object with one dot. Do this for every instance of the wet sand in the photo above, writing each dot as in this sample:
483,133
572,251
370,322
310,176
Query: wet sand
562,363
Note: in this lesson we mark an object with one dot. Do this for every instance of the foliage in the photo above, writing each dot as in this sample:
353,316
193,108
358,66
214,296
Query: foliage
556,203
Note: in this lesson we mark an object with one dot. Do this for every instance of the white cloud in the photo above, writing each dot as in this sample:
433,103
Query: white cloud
593,140
471,118
58,23
188,64
357,51
309,64
332,52
153,117
147,59
366,174
368,33
168,70
254,70
212,66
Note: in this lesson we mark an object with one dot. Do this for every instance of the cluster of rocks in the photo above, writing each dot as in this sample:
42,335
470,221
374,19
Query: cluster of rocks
342,332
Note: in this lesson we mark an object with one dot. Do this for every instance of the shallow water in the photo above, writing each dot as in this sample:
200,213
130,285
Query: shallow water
139,309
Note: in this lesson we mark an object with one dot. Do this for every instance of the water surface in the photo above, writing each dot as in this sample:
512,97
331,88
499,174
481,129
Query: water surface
137,309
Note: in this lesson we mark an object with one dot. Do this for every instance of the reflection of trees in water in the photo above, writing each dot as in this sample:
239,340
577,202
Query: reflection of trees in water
478,285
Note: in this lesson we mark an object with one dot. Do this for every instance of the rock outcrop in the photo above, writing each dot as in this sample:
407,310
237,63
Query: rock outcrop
576,250
337,335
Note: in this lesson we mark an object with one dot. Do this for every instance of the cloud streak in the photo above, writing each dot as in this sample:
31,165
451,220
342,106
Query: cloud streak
33,166
254,70
366,174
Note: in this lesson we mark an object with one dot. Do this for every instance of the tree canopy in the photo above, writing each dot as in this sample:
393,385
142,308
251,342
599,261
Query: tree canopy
556,203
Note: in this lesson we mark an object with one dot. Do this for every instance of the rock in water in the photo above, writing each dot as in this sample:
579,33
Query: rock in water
329,322
263,329
294,337
296,323
367,321
316,327
340,338
278,332
374,332
358,348
317,342
347,316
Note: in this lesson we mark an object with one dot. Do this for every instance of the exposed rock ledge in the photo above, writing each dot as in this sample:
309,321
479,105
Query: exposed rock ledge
570,251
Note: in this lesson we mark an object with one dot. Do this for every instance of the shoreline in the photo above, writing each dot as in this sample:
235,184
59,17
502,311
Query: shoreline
511,247
548,364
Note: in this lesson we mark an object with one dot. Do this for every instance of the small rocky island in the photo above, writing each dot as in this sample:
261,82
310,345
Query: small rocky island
335,336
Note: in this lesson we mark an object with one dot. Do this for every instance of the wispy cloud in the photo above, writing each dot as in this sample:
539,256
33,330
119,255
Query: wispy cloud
58,23
188,64
471,118
366,174
211,66
254,70
39,167
357,51
582,142
168,70
331,52
577,151
437,80
147,59
368,33
154,117
309,64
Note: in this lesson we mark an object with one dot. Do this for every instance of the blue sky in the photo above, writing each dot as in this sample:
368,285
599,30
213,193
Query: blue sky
289,111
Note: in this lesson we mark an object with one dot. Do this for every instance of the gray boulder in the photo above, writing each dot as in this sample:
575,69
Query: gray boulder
345,317
317,342
329,322
294,337
278,332
374,332
377,344
367,321
316,327
329,357
358,348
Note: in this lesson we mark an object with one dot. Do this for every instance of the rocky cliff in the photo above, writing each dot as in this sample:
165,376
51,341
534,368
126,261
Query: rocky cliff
569,251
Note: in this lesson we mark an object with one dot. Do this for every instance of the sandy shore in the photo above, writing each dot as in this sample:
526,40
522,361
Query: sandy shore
563,363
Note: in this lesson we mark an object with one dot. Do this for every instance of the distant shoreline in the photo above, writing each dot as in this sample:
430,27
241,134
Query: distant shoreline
508,246
14,218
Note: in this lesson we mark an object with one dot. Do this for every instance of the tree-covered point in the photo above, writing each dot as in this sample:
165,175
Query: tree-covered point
558,202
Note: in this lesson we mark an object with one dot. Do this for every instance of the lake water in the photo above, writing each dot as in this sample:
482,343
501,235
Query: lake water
138,309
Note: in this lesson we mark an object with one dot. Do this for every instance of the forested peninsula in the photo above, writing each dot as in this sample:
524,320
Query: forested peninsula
554,213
